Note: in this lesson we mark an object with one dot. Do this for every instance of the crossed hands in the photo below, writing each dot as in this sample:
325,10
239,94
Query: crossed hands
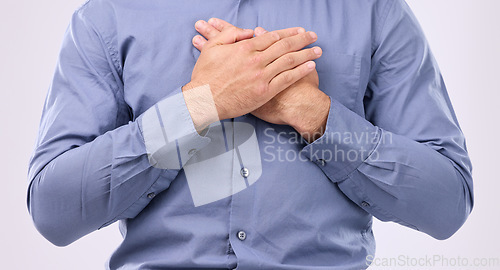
269,75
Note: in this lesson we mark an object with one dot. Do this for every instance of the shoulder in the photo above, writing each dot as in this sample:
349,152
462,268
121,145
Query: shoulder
99,19
101,14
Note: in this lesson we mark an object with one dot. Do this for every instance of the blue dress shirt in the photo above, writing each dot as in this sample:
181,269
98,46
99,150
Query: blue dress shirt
245,194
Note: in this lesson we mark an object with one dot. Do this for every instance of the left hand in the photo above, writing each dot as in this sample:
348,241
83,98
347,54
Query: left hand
302,105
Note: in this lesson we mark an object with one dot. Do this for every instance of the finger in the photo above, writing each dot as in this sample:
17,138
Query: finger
265,40
289,77
205,29
229,35
199,42
289,44
292,60
219,24
259,31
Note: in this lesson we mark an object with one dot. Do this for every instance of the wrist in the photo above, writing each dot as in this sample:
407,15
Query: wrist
310,120
201,105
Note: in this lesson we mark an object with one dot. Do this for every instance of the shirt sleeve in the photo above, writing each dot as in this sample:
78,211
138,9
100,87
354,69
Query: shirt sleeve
92,165
406,161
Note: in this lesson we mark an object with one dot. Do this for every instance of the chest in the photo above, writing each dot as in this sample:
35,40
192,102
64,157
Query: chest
158,57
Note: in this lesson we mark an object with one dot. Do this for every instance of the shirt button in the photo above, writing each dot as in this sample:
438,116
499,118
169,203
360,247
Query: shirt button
245,172
242,235
365,204
322,162
151,195
192,152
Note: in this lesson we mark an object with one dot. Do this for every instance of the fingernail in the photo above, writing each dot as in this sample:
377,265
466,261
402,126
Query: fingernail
317,50
311,65
301,30
212,21
313,35
198,24
196,41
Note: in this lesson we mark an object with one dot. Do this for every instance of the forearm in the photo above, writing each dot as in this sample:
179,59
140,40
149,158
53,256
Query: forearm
112,177
92,185
393,177
307,113
201,106
411,184
403,158
91,166
310,117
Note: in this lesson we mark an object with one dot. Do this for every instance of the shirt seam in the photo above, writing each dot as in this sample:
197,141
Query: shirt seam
112,52
111,57
382,22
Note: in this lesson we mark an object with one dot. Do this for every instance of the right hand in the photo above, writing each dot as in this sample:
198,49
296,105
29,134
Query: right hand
245,75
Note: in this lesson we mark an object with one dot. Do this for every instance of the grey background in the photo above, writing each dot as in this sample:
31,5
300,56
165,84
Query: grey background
464,36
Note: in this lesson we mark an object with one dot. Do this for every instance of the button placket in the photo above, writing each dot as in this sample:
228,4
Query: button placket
230,249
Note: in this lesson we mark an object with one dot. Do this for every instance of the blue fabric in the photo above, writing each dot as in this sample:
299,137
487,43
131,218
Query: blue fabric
393,148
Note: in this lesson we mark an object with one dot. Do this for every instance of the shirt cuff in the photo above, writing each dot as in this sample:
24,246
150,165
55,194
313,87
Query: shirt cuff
348,141
169,133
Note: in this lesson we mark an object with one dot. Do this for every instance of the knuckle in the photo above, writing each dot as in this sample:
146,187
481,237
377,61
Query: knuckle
256,59
289,60
286,44
271,36
287,77
246,46
259,75
306,37
275,36
261,88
